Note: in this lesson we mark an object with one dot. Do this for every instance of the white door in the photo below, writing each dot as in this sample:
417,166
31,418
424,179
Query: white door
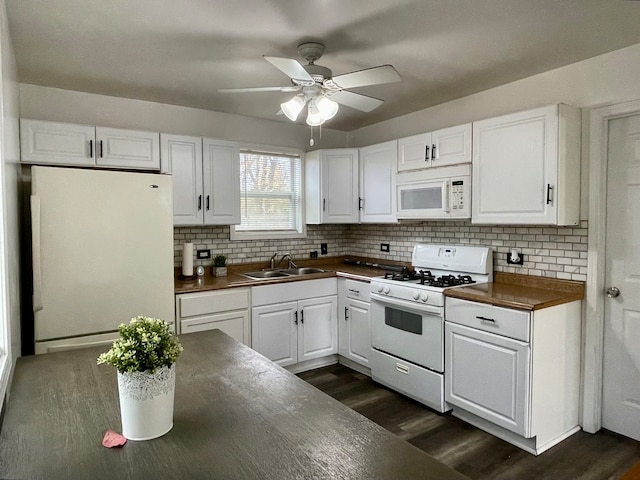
358,331
317,328
621,368
221,173
274,332
182,157
414,152
53,143
451,146
120,148
340,186
377,183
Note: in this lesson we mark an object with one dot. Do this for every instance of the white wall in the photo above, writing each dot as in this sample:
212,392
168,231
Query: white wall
9,180
45,103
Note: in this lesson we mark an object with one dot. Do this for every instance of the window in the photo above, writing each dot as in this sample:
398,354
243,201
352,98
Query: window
270,196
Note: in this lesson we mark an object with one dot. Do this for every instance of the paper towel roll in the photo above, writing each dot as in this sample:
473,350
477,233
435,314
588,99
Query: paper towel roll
187,259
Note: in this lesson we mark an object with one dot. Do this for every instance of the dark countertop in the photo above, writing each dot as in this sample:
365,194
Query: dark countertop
237,416
333,266
523,292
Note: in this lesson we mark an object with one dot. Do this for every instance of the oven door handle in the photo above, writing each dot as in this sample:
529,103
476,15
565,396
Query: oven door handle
416,307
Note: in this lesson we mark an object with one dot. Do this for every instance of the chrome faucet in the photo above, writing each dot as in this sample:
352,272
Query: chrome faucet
272,261
292,264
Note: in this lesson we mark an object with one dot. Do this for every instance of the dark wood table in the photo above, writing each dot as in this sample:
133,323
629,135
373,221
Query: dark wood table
237,416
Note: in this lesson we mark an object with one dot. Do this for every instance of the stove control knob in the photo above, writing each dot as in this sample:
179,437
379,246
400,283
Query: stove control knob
416,296
379,288
386,290
423,297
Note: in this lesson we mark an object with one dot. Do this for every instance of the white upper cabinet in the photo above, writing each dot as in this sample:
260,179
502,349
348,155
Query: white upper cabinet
206,184
331,186
53,143
377,182
526,168
119,148
448,146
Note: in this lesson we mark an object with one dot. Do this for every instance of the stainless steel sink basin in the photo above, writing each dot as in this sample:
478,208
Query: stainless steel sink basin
282,272
302,271
264,274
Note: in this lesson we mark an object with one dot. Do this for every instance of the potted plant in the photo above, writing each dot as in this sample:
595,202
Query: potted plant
220,265
145,356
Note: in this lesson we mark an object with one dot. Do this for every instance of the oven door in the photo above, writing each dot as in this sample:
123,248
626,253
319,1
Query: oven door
408,331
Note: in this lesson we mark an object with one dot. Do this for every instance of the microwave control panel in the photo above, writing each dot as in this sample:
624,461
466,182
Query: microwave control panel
458,200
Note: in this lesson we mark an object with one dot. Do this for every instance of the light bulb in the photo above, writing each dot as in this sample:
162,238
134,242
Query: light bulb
313,117
327,108
293,107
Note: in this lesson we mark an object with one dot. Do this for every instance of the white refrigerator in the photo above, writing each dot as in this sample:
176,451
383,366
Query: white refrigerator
102,244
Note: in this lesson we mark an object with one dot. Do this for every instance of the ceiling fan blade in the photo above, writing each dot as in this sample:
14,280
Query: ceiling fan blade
369,76
259,89
356,100
290,67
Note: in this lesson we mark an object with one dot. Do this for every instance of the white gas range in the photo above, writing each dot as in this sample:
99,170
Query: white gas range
407,318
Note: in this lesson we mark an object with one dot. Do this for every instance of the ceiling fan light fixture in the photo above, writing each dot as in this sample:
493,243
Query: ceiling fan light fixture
314,118
327,107
293,107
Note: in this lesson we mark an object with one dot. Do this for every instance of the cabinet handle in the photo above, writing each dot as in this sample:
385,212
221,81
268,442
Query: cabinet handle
426,153
360,200
485,319
346,313
296,317
433,151
324,204
301,316
402,368
207,202
549,192
199,202
90,148
101,155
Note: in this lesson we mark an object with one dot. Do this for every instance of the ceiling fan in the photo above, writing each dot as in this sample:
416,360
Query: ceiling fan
318,89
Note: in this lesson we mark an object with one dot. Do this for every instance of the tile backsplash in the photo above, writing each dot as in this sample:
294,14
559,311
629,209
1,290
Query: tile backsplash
557,252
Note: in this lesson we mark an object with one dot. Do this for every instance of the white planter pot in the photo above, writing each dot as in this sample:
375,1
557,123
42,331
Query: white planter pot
146,403
220,271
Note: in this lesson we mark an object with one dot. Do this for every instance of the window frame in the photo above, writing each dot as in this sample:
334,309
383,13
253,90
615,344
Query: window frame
301,231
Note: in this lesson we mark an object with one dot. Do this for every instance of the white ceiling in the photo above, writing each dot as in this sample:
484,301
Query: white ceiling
182,51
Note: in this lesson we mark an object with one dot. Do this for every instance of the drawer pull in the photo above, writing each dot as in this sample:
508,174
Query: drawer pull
402,368
354,291
485,319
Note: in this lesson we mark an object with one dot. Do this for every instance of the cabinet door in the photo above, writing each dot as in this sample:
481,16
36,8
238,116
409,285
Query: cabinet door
274,333
357,332
317,328
133,149
340,186
52,143
414,152
451,146
221,174
182,157
488,375
377,183
235,324
515,168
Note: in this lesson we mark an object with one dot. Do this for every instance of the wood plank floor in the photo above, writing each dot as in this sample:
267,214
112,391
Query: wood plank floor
469,450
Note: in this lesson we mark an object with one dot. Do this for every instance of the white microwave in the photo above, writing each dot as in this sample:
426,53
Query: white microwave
435,193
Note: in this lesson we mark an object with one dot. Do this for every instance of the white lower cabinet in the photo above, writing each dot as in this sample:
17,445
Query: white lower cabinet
514,373
226,309
354,326
296,323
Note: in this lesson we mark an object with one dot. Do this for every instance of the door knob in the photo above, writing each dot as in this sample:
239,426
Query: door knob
613,292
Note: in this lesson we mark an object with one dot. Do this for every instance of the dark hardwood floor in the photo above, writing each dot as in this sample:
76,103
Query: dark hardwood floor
469,450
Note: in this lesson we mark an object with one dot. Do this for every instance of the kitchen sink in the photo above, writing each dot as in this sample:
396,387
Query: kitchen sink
280,273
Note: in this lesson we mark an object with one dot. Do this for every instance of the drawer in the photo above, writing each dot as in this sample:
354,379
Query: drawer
192,304
488,318
358,290
422,385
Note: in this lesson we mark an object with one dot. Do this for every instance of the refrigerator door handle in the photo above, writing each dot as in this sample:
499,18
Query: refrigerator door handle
37,264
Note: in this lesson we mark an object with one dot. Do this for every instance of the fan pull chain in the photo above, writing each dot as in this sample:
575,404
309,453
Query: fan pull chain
311,142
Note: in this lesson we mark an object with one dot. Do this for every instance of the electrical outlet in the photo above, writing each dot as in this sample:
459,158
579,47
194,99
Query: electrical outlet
313,254
384,247
324,249
202,254
515,258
